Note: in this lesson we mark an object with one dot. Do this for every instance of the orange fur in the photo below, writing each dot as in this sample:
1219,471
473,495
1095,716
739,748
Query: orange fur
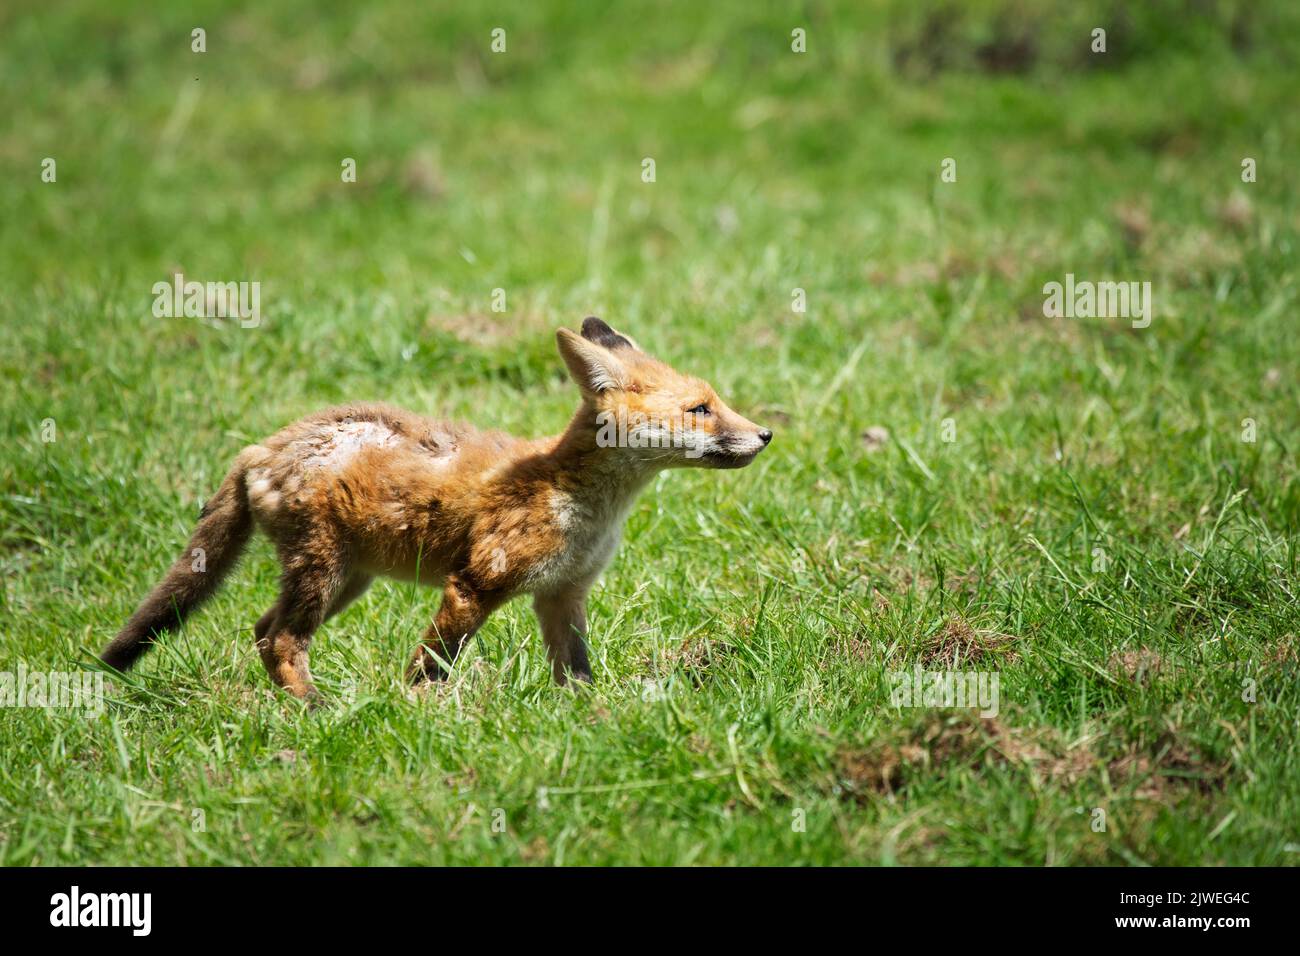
359,491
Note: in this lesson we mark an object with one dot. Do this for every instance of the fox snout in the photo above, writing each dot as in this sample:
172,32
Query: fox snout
738,445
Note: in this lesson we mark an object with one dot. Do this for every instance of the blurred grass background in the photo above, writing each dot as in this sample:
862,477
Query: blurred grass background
766,607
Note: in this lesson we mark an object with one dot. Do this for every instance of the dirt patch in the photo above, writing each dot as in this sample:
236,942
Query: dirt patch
1283,653
537,850
1173,768
1138,665
1236,212
1134,221
475,328
948,267
941,746
908,579
695,658
422,176
461,781
875,438
877,770
1163,771
699,744
1193,256
857,645
957,644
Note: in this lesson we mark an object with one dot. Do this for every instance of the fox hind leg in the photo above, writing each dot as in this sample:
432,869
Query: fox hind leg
354,587
308,592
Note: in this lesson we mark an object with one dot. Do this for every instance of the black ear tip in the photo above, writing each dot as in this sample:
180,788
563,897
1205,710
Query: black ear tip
593,327
595,330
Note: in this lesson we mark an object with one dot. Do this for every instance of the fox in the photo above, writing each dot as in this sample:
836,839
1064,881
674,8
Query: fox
368,490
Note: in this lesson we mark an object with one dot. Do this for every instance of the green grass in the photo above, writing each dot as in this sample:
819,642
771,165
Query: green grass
744,637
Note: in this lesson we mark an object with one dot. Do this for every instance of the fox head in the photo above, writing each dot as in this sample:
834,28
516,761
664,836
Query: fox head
650,411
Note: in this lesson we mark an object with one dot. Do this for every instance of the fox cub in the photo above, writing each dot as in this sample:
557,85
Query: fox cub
365,490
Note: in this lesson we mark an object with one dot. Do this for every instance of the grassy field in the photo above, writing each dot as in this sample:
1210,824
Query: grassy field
1103,516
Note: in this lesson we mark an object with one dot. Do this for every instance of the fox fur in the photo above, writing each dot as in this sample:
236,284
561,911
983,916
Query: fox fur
359,491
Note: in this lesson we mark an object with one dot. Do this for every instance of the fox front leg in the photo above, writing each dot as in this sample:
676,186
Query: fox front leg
464,609
563,617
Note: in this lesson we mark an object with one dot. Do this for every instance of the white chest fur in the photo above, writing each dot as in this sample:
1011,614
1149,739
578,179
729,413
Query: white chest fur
591,530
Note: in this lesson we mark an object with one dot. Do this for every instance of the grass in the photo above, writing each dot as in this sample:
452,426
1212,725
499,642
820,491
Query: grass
1097,532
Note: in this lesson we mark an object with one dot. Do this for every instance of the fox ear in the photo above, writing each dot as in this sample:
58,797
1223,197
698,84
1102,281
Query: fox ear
593,367
596,330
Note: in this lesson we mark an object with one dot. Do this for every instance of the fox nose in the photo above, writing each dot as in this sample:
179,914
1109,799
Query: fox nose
765,435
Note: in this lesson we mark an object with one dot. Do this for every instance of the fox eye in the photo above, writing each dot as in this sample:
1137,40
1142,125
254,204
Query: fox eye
698,410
